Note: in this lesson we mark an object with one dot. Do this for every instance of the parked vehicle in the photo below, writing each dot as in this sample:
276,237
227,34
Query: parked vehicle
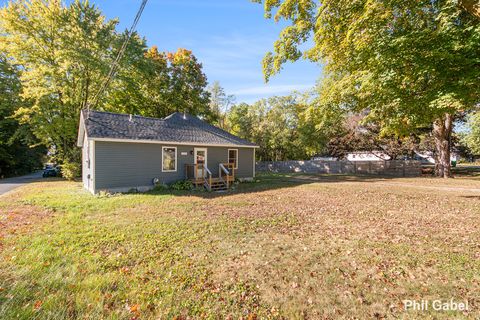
51,171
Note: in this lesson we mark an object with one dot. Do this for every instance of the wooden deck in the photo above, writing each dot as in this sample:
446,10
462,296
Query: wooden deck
199,181
200,175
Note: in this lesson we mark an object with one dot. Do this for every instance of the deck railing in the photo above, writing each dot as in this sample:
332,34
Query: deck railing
226,172
208,178
199,174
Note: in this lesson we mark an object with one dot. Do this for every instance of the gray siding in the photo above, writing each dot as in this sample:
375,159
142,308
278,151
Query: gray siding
85,169
127,165
217,155
246,163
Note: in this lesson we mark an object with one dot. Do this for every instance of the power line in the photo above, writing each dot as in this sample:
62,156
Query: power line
114,66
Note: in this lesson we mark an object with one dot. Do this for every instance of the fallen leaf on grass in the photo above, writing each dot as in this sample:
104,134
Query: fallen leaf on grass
252,316
37,305
134,308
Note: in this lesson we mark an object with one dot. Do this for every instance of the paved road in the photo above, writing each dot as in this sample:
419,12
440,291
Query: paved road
9,184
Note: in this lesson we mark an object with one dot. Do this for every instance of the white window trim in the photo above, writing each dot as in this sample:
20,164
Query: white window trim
176,159
93,169
236,158
195,155
254,163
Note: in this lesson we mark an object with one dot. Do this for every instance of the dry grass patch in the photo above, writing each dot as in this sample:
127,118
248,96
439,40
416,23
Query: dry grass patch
359,248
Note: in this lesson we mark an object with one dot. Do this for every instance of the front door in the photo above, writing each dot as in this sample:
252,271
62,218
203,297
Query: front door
200,155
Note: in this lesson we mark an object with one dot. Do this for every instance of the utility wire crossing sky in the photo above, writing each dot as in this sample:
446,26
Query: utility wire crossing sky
229,37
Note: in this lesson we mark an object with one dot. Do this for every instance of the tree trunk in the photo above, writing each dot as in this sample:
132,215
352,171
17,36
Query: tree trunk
471,6
442,131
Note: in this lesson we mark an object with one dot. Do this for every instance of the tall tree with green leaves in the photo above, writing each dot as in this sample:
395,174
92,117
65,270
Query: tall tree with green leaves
410,64
220,103
472,137
188,84
285,127
64,53
156,84
127,91
16,155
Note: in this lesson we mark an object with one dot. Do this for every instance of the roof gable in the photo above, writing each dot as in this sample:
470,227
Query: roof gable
176,128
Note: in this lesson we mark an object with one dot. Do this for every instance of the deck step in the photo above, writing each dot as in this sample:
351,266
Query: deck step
217,184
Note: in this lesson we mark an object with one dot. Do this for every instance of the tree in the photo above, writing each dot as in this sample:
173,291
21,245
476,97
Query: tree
472,137
220,102
319,123
188,84
471,6
410,64
16,157
128,91
64,54
156,84
365,137
286,128
243,120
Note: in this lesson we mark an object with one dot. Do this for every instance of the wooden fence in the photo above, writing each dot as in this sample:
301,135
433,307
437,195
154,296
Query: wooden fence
395,168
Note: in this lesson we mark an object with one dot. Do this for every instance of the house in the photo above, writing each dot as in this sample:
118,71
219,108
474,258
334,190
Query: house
323,158
428,157
121,152
367,156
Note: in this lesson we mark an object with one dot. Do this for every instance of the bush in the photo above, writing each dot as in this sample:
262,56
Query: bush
104,194
71,170
182,185
160,187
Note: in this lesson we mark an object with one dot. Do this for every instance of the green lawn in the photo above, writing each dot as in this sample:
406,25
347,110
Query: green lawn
287,246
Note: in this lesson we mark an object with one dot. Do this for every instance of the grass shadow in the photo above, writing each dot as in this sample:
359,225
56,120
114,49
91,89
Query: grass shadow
471,197
34,177
274,181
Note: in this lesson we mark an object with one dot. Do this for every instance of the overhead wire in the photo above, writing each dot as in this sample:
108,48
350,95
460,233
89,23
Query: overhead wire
115,64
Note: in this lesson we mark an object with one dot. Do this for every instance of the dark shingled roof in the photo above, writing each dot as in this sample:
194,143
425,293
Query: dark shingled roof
177,127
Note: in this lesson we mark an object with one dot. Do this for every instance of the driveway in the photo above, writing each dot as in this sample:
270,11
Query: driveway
9,184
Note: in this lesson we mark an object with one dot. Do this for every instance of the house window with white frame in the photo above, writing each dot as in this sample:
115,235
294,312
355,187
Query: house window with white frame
169,159
233,157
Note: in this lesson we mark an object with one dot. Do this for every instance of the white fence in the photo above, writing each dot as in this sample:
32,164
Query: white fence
396,168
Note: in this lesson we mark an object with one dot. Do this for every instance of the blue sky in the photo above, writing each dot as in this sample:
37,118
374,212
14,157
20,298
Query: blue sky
229,37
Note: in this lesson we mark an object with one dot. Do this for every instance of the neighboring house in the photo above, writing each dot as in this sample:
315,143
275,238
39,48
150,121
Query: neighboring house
121,152
323,158
427,157
424,157
367,156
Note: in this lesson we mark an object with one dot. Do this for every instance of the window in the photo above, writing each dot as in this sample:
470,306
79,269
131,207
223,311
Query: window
169,159
233,157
